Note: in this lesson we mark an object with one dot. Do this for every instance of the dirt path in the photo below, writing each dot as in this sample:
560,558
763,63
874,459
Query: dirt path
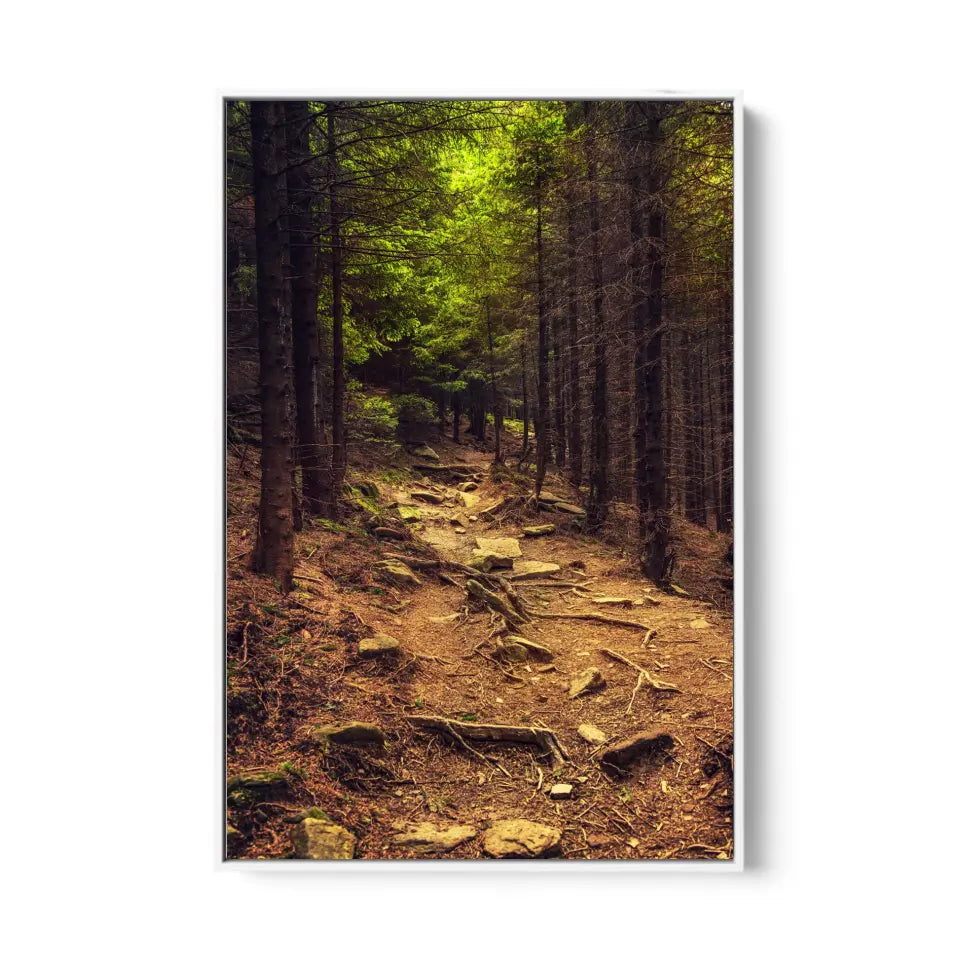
674,803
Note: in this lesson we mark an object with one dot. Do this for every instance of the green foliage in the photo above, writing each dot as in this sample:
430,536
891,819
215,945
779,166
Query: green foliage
416,416
370,419
245,280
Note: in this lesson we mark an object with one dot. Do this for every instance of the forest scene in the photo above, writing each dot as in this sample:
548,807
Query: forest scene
479,479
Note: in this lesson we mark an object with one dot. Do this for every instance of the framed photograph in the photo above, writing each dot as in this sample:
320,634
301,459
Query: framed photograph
483,505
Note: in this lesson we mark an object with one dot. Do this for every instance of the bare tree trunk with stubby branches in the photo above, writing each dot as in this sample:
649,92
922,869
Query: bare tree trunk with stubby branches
273,554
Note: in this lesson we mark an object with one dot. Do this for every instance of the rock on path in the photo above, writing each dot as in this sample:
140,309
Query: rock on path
322,840
641,745
396,572
353,732
592,734
502,546
586,682
521,838
377,646
427,838
532,569
542,530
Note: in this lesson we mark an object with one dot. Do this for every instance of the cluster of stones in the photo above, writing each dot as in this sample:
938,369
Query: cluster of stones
315,836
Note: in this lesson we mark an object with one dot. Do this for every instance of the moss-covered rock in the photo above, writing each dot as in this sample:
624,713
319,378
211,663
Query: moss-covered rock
251,787
395,571
313,813
427,453
540,530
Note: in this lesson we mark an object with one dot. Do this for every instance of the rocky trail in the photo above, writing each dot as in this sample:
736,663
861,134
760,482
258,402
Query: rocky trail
463,673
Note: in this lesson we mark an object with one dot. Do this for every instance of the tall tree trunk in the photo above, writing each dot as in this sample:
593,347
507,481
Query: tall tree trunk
658,558
273,554
525,395
339,452
457,404
598,497
726,389
303,284
497,410
573,350
559,387
635,310
543,367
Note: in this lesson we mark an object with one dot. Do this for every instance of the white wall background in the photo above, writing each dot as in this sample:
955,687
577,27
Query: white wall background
111,308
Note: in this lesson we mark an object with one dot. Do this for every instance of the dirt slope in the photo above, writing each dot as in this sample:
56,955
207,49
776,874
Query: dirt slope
293,664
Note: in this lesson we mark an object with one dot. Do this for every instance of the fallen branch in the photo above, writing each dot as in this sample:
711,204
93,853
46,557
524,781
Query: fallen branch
495,733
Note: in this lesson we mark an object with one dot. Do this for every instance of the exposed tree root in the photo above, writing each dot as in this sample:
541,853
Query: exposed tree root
495,733
599,617
642,675
490,600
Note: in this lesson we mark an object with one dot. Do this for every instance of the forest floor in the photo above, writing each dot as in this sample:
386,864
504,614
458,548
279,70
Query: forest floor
293,666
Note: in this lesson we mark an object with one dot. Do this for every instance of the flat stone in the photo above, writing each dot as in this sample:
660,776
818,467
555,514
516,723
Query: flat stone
428,453
377,646
532,569
570,508
639,746
535,650
396,571
322,840
521,838
427,838
560,791
592,734
503,546
612,601
543,530
467,500
427,496
586,682
408,514
487,560
355,731
466,486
